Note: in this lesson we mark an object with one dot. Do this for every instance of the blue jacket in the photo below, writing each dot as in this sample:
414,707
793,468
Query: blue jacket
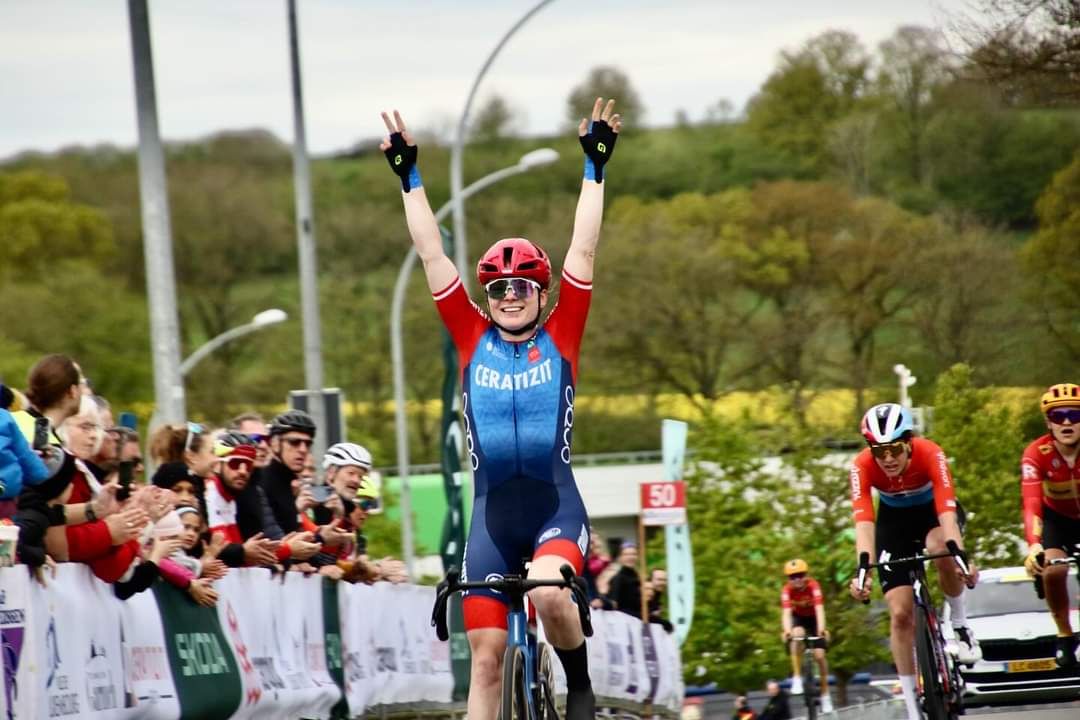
19,464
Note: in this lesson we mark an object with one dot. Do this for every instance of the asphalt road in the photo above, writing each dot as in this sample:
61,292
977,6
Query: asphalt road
1053,711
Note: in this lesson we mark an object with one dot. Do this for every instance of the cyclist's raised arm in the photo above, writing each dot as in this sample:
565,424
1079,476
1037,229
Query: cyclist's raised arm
401,153
597,136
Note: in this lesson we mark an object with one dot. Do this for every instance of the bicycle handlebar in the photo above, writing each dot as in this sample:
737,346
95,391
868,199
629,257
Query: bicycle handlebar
1040,589
953,550
513,586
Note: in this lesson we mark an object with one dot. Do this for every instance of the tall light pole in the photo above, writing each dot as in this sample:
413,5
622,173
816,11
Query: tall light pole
305,240
157,233
534,159
457,196
261,320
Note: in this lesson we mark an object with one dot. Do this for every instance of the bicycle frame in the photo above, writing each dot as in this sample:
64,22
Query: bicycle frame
949,675
519,633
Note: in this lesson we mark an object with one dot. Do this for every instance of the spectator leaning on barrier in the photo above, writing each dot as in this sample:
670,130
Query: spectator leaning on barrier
625,587
129,449
198,546
777,707
234,473
19,464
658,583
291,436
743,711
253,425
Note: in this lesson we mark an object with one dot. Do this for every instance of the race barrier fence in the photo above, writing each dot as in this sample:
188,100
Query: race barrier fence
285,646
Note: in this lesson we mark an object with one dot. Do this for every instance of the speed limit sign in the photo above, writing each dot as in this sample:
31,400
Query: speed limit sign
663,503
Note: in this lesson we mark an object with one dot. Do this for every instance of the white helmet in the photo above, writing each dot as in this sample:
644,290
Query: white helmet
346,453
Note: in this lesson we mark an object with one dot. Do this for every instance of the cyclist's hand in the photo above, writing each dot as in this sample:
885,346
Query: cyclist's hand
825,634
785,635
401,151
598,137
862,593
1033,562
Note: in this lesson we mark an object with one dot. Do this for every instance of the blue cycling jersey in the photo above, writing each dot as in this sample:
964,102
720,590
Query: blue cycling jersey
518,403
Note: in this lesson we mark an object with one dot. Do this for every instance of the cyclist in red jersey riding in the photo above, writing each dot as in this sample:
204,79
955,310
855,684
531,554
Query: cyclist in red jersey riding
1050,487
803,615
917,509
518,379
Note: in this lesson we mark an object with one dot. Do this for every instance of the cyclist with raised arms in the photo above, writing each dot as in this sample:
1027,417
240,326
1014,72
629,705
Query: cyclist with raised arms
802,615
1050,487
518,378
917,509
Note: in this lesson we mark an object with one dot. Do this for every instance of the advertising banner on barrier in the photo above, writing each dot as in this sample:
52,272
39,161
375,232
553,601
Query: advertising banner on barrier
148,684
335,654
358,646
203,666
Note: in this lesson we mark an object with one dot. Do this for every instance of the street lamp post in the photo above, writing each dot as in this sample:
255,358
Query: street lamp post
263,319
457,195
534,159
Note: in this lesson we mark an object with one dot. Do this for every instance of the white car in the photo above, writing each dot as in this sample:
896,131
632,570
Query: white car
1016,633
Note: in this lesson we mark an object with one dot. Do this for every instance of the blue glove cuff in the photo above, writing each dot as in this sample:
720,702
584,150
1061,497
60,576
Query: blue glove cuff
414,180
590,169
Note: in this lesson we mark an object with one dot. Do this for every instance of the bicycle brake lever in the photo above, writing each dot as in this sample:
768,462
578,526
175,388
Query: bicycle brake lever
438,613
580,594
864,567
1040,591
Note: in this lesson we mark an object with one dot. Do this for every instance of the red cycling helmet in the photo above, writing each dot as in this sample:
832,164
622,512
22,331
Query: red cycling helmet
514,257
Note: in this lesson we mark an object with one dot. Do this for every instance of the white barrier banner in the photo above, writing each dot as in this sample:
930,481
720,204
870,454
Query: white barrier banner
411,665
624,667
149,687
356,608
270,625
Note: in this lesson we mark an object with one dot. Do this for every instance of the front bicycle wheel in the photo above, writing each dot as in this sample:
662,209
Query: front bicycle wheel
545,699
515,703
810,692
929,667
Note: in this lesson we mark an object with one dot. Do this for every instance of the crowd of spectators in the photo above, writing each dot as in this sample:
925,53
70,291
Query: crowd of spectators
75,485
616,584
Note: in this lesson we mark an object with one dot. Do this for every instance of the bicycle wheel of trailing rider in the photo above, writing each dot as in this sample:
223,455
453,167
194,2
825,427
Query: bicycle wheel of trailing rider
810,685
515,703
546,708
931,674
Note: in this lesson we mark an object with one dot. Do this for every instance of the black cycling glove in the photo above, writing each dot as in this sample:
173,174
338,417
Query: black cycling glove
598,144
402,159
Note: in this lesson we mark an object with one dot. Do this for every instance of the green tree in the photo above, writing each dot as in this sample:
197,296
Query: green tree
755,517
811,89
493,120
606,82
914,65
984,443
39,224
1051,259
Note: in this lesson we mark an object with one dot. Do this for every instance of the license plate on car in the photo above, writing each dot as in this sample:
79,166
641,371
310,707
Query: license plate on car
1032,665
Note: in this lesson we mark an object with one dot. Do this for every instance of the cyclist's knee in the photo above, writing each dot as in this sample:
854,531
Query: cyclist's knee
552,603
798,632
902,618
486,666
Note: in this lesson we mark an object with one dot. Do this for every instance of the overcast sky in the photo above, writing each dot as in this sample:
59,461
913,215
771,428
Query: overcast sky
66,78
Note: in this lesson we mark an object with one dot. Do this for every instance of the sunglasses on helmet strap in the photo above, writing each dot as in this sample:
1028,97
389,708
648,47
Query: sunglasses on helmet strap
893,449
523,288
1059,416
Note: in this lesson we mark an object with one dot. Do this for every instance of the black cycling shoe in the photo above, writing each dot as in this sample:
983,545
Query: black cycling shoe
1065,653
581,705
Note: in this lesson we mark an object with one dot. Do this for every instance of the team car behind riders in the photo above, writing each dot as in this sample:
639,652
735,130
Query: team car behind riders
803,615
917,509
1050,488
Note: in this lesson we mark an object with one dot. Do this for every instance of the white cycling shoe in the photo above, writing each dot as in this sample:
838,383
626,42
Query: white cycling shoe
968,651
796,685
826,703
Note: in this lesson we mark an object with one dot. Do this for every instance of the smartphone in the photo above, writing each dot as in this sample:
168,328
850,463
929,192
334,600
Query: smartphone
321,492
126,471
41,433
